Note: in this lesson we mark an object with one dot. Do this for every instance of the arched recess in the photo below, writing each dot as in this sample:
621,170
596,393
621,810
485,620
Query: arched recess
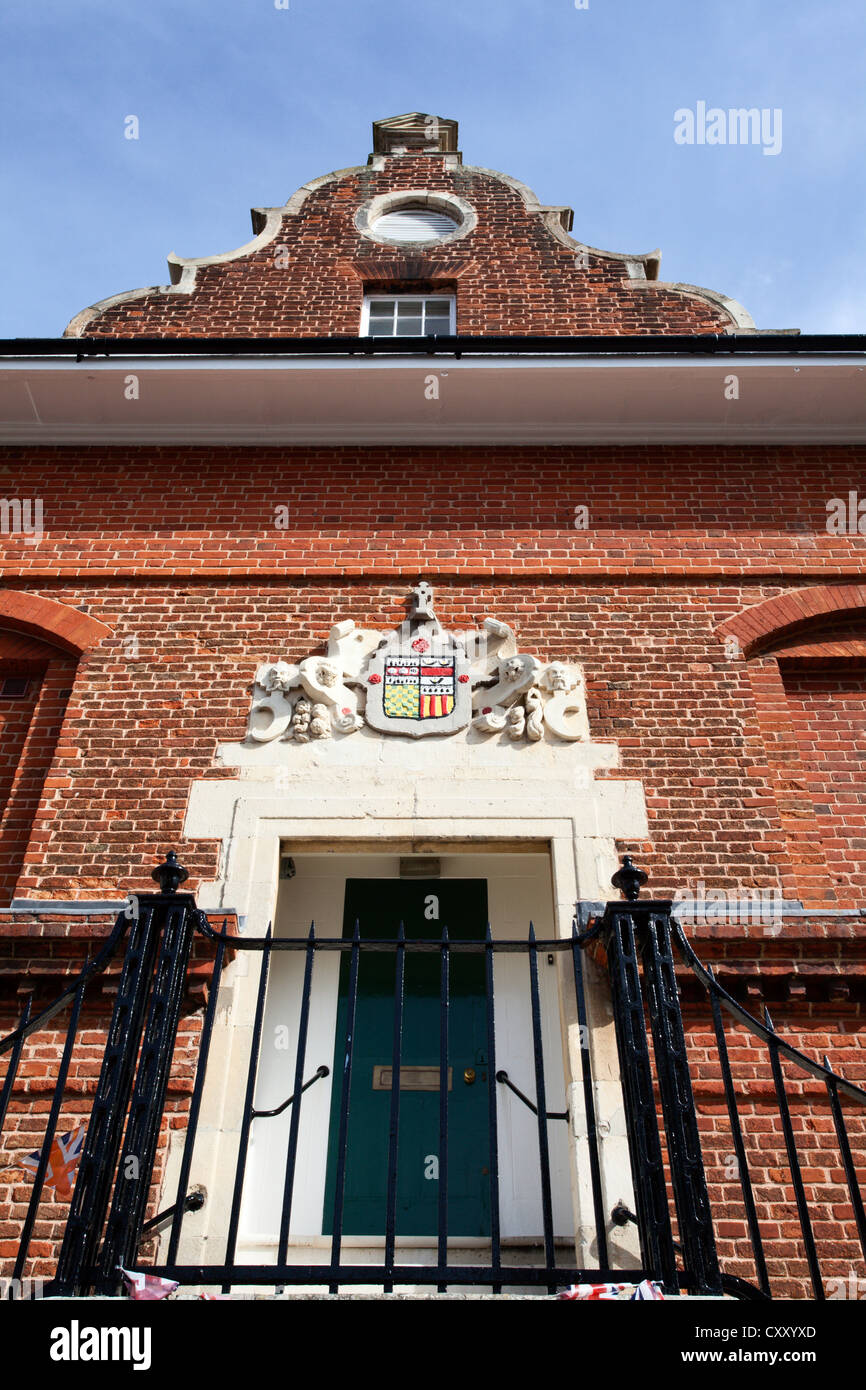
769,624
805,659
41,642
50,621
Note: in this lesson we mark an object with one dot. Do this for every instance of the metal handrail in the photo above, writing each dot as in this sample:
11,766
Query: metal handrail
732,1284
370,943
88,970
269,1114
502,1077
766,1032
193,1202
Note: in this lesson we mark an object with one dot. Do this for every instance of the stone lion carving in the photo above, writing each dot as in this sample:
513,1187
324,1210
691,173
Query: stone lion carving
516,674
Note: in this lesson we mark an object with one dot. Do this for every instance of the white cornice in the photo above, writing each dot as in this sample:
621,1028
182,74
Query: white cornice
491,400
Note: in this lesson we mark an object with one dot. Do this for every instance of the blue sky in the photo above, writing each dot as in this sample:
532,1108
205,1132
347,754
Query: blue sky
240,102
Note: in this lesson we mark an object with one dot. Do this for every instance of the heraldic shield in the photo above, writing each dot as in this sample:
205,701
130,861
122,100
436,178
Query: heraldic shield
422,688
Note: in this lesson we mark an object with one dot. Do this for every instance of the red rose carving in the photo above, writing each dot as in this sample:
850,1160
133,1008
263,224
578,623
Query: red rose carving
374,679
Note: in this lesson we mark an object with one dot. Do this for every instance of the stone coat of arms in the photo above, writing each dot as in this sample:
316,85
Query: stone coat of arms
419,680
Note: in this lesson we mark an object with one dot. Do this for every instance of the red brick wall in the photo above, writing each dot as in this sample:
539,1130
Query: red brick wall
140,728
511,274
657,513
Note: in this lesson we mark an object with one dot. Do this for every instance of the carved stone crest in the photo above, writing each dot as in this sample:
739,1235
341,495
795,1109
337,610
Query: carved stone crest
419,680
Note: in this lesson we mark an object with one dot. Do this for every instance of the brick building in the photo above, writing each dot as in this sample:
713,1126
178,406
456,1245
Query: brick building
415,461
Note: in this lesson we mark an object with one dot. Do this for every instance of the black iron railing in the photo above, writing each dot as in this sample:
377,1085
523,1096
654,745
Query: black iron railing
495,1272
14,1045
837,1088
642,947
129,1101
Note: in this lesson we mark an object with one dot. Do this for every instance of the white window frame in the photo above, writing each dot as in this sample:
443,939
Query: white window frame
390,298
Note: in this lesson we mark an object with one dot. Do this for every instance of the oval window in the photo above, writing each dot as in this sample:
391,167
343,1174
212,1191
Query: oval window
414,224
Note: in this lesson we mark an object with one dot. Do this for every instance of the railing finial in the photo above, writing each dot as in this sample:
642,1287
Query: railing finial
169,875
629,879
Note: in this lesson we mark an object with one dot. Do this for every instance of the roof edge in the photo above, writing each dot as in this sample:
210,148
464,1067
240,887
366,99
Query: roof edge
762,343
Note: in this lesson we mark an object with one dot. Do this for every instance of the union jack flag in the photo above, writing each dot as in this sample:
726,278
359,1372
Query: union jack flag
647,1289
62,1160
146,1288
594,1293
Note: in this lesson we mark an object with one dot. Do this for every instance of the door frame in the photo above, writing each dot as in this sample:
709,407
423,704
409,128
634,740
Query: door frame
252,880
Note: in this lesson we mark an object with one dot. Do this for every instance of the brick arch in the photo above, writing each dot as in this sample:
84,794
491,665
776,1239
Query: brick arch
757,628
801,636
50,621
42,638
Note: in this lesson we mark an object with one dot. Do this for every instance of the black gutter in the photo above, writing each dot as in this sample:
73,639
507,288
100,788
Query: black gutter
656,344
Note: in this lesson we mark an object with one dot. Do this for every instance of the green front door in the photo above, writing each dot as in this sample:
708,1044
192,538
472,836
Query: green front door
424,906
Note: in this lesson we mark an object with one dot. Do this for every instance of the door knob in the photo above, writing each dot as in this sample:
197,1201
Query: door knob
469,1076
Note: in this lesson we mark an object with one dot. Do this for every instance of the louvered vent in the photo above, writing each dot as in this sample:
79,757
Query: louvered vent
13,687
414,224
